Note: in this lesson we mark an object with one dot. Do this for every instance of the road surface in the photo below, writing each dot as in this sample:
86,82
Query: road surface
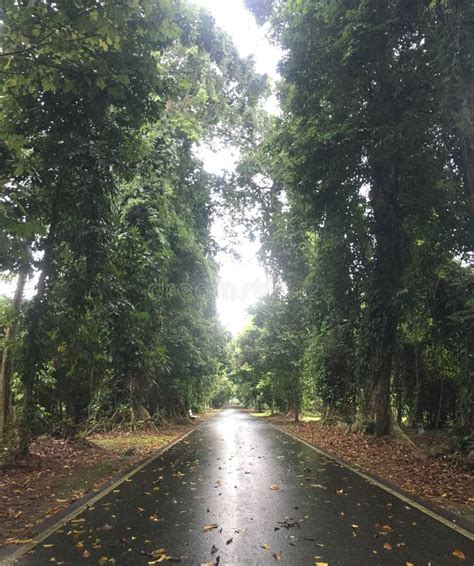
239,492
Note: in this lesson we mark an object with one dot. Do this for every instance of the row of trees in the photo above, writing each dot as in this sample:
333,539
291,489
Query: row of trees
365,190
362,192
103,198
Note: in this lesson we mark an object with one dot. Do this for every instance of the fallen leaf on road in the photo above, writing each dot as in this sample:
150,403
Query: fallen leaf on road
210,527
387,546
288,524
266,546
86,554
274,487
459,554
164,558
277,555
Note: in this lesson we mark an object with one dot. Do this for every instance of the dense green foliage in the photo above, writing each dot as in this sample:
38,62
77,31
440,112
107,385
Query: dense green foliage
364,186
103,197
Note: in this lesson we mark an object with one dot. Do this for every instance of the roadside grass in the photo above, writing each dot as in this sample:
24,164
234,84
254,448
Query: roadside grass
82,480
306,417
309,417
135,443
262,413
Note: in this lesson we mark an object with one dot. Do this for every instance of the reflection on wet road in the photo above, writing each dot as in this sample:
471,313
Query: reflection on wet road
238,491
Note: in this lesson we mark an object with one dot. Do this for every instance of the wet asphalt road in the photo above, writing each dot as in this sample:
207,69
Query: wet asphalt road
238,491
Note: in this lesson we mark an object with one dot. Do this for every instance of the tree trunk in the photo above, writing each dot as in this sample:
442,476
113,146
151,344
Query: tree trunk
327,412
7,362
381,399
399,434
383,309
398,387
297,402
461,105
32,356
416,408
33,348
464,422
467,143
33,324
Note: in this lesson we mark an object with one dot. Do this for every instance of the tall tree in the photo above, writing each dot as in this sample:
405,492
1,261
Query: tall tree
366,140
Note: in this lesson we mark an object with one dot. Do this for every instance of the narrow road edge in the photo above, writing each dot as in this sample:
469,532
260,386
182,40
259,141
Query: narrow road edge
24,549
374,481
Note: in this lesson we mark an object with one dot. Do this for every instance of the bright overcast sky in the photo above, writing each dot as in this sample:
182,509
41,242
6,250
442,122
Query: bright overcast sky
242,282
